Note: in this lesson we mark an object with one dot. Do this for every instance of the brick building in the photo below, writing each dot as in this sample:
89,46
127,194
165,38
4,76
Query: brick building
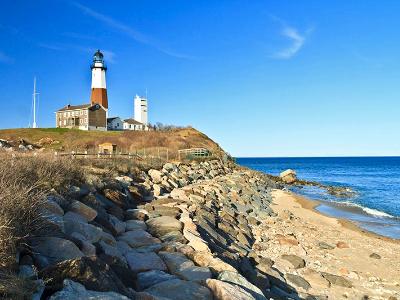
84,117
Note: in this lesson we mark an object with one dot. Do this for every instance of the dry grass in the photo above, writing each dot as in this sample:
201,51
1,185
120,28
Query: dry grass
24,183
127,141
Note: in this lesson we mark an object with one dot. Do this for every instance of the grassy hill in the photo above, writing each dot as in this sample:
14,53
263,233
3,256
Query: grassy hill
61,139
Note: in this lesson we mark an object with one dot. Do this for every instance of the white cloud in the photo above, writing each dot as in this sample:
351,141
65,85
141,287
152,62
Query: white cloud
297,39
129,31
297,42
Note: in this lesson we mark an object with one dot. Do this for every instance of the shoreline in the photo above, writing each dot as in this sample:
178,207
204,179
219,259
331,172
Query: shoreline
365,262
312,204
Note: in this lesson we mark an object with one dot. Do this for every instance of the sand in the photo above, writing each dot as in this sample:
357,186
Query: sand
350,258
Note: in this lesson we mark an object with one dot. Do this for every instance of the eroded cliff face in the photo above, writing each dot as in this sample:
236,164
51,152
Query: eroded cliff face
187,231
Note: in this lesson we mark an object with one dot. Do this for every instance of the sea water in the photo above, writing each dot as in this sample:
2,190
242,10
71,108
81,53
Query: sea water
376,181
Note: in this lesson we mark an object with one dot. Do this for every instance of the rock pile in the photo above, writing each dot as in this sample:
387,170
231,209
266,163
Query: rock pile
182,232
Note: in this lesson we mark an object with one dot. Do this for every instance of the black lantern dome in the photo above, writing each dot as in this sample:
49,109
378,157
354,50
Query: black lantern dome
98,57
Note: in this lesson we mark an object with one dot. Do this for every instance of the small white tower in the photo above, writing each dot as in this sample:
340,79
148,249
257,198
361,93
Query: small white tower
99,89
140,113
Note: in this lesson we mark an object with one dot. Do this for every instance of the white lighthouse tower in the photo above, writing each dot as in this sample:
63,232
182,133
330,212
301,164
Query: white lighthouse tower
99,89
140,113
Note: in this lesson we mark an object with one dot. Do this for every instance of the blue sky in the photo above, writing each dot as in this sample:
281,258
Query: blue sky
262,78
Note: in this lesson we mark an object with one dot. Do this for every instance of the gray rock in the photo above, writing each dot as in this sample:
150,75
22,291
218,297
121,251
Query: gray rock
74,290
150,278
82,209
136,214
110,250
375,256
27,272
180,290
337,280
118,226
135,224
108,238
225,291
76,223
156,176
325,246
52,206
54,249
87,248
237,279
138,238
162,225
141,262
40,286
298,281
54,220
295,260
178,264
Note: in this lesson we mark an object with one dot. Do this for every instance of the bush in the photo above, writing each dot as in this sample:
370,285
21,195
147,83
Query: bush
24,183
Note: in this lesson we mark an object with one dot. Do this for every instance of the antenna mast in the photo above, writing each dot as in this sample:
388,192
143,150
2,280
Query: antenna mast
34,125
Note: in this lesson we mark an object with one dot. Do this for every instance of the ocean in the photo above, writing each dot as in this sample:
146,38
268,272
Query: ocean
376,181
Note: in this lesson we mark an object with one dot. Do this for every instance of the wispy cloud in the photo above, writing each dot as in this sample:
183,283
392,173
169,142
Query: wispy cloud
51,46
80,36
108,54
129,31
296,38
4,58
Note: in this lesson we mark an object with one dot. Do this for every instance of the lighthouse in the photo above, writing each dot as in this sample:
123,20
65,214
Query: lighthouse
99,89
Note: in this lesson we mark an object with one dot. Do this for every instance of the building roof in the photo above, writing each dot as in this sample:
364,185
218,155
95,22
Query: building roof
83,106
133,122
74,107
112,119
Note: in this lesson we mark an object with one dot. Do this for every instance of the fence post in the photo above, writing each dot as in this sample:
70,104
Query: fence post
167,154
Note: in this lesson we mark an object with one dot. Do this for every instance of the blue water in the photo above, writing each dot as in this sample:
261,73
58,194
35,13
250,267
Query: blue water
376,180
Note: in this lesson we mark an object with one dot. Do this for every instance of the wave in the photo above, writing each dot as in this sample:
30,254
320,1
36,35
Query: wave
370,211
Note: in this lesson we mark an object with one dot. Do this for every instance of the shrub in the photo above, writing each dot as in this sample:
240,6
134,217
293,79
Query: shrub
24,183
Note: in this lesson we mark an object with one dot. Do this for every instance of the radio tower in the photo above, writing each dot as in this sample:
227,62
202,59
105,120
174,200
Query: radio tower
34,125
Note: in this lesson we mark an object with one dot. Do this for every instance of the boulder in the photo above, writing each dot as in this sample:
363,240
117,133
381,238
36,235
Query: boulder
135,224
52,206
225,291
150,278
178,264
110,250
138,238
298,281
51,250
82,209
156,176
141,262
375,255
86,247
296,261
124,273
74,290
288,176
239,280
117,198
180,290
92,272
76,223
162,225
136,214
337,280
205,259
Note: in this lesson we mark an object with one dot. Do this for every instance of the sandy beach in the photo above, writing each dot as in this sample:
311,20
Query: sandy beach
368,265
